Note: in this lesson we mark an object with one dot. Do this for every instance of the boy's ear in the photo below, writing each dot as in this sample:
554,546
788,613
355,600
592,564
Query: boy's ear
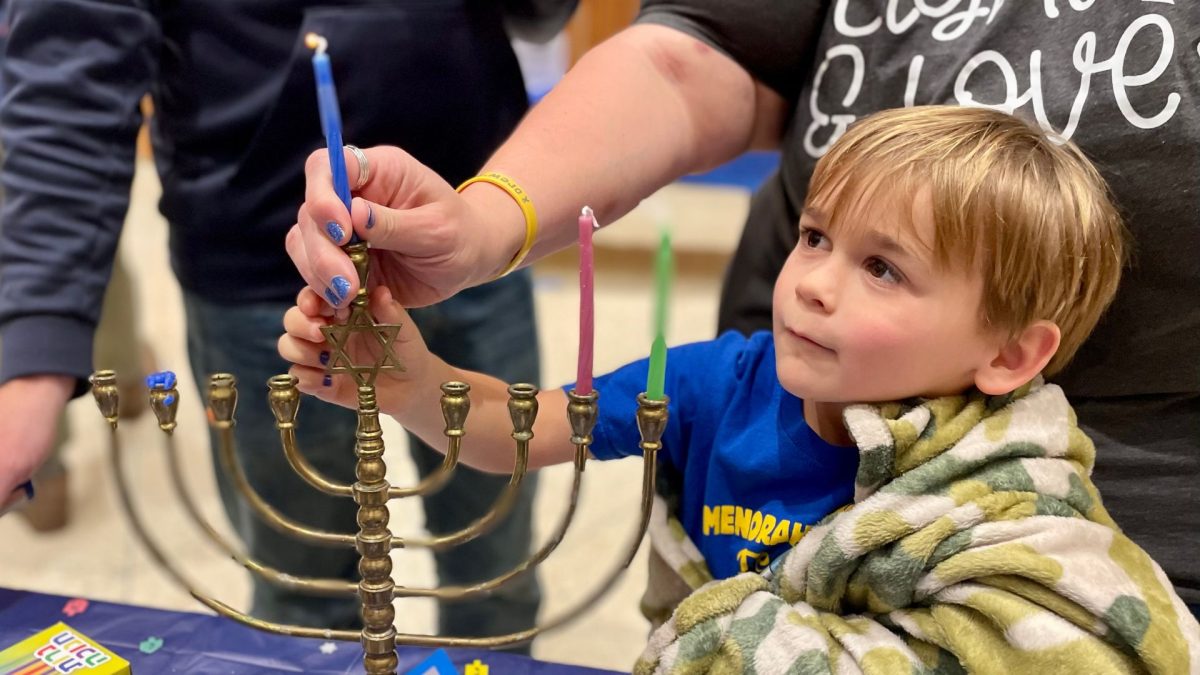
1020,359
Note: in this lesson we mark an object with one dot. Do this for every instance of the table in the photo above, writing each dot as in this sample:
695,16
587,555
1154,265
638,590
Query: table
204,644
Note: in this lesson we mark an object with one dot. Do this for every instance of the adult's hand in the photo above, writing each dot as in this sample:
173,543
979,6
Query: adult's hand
428,242
28,425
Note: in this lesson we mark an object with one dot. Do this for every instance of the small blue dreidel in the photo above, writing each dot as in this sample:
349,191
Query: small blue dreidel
164,398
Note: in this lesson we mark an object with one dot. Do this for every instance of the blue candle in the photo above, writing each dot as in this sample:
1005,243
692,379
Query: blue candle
331,119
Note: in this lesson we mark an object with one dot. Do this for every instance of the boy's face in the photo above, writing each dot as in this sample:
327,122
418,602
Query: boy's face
863,314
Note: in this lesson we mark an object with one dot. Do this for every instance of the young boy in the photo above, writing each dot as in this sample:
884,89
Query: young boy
948,257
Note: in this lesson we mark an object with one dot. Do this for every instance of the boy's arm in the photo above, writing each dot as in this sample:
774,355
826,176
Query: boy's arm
413,395
488,444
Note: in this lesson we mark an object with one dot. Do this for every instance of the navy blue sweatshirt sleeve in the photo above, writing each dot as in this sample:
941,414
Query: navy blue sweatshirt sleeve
74,72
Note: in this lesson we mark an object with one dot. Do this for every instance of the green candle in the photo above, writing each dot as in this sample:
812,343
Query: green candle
658,350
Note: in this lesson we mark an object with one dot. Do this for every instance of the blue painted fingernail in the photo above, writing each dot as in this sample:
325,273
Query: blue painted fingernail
332,297
335,231
370,217
341,286
324,358
327,382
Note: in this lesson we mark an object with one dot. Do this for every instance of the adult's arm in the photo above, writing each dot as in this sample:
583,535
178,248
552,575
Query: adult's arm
75,71
638,111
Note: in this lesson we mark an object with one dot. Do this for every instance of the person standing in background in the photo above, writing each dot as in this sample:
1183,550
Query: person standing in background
115,332
235,117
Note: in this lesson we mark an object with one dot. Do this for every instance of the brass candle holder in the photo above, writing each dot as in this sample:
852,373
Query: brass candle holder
376,589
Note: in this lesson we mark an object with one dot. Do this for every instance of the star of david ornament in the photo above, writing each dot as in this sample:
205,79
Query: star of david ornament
361,323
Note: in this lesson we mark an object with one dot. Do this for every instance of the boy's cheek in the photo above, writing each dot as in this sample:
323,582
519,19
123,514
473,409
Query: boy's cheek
879,335
780,295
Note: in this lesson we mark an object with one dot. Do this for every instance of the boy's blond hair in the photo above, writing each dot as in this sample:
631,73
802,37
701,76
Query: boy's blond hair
1031,214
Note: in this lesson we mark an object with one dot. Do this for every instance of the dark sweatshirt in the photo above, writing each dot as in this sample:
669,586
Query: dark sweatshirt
235,118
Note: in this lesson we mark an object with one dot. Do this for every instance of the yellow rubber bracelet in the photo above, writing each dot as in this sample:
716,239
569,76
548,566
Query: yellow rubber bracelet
531,225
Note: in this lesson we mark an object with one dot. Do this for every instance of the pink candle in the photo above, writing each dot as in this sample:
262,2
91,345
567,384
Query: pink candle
583,376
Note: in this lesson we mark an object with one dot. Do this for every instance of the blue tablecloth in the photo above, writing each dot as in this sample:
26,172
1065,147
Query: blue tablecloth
202,644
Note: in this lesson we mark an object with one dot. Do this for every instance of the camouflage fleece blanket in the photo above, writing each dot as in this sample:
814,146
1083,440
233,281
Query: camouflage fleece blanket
976,543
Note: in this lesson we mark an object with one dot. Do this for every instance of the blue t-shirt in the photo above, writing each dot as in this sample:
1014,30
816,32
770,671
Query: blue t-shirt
756,478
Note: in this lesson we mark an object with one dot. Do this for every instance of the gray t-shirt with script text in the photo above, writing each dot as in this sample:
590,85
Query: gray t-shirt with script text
1122,80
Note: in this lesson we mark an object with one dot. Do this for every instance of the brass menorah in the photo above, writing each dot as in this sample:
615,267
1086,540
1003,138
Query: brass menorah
374,540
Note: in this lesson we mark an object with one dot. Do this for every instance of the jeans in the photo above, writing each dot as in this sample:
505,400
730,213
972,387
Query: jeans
490,329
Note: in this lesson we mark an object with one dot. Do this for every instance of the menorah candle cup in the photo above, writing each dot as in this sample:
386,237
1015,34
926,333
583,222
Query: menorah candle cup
164,401
455,406
581,412
523,409
284,399
222,398
105,391
651,420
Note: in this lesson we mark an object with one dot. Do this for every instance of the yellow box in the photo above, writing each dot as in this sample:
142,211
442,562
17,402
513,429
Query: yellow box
60,649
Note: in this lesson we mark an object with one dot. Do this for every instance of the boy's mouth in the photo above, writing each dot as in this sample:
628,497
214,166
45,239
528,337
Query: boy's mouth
804,339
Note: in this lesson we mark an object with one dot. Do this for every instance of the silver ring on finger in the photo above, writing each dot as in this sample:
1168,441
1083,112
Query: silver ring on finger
364,167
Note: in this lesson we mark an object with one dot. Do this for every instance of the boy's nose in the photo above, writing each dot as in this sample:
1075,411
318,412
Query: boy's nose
817,287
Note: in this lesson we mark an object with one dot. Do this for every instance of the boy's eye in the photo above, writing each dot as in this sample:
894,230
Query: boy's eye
882,270
811,238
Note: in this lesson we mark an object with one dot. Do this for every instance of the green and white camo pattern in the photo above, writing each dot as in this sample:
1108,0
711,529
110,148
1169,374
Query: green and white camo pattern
977,543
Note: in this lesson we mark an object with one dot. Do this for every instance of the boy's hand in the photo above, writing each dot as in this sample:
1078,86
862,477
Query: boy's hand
305,346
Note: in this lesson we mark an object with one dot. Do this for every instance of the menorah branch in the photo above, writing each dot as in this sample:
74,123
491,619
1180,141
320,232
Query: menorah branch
116,461
581,413
285,404
277,578
261,507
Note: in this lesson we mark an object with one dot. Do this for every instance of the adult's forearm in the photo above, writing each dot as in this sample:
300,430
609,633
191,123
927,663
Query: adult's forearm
637,112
